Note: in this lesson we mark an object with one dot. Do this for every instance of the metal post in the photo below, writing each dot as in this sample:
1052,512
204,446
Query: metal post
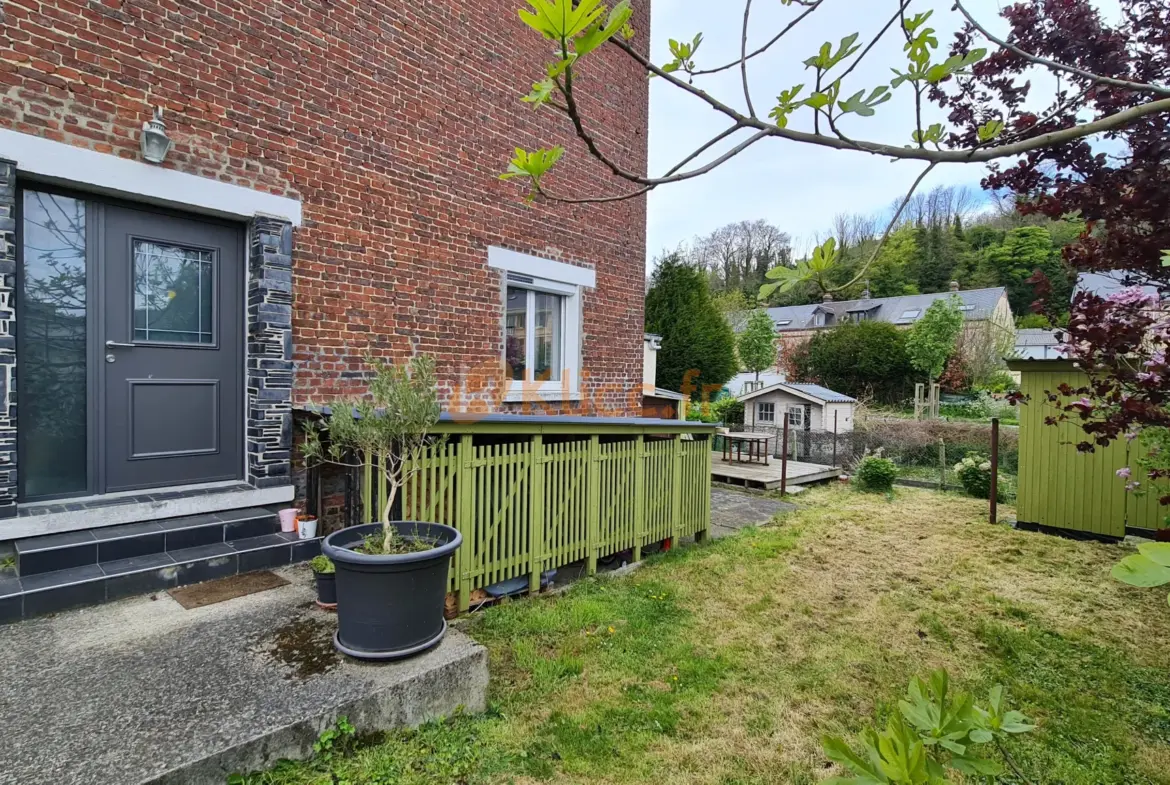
784,460
994,464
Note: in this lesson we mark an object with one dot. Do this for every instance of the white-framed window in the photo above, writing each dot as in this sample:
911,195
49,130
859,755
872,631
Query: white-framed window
819,319
765,412
795,416
542,324
913,313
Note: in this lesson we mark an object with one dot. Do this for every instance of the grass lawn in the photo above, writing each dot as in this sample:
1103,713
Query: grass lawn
724,664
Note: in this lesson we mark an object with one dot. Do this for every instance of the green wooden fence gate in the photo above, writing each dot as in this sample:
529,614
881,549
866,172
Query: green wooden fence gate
551,495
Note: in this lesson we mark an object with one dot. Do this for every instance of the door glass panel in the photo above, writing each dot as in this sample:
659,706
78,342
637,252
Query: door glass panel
548,337
515,333
51,332
173,293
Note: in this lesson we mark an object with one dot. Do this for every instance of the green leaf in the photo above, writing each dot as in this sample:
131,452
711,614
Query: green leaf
786,103
838,751
603,30
864,106
533,165
980,736
561,20
1157,552
541,92
1140,570
913,24
977,766
990,130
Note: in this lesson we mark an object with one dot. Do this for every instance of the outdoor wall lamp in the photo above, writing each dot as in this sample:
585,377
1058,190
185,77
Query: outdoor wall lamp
155,142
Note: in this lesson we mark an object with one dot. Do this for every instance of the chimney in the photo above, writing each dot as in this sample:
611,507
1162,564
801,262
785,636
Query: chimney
954,286
865,292
828,298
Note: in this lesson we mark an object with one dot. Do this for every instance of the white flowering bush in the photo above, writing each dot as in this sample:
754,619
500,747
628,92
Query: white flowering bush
974,472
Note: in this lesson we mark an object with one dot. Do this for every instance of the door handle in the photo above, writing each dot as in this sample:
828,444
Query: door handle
118,345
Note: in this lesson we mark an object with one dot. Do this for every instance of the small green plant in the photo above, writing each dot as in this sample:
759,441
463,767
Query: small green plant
1150,566
876,474
934,733
974,472
322,565
338,739
392,423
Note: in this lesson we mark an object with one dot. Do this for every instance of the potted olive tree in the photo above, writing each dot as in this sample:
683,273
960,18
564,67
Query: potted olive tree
391,575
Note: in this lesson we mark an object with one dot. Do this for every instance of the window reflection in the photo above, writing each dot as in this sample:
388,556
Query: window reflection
173,289
52,346
515,333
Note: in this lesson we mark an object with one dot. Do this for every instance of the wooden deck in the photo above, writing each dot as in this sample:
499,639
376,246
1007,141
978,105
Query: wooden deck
757,475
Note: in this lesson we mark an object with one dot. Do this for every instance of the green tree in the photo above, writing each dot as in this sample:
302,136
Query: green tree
890,272
695,336
931,341
863,359
757,343
1023,251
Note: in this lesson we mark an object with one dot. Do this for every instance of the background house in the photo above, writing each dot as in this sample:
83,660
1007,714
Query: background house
809,407
987,316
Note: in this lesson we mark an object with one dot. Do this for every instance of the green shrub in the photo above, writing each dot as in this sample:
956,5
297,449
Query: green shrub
322,565
974,472
876,474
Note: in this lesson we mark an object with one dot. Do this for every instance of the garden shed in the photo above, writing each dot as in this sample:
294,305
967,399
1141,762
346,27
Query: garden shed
809,407
1061,488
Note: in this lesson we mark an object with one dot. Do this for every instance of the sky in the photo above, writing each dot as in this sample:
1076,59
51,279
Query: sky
796,186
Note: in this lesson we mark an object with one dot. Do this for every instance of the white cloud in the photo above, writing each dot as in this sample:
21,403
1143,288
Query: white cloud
798,187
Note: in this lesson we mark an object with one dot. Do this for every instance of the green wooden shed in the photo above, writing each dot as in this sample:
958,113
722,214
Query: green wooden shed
1063,489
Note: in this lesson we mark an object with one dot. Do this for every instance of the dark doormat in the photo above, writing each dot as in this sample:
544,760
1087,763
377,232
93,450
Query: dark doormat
209,593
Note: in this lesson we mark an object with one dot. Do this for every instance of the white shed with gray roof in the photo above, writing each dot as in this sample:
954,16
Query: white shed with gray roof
809,407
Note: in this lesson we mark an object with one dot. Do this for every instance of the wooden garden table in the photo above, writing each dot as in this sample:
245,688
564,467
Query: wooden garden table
757,447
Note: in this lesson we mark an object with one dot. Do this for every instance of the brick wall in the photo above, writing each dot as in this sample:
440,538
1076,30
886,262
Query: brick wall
390,120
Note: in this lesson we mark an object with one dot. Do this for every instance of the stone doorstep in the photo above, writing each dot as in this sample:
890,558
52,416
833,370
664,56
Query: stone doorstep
159,695
451,678
39,520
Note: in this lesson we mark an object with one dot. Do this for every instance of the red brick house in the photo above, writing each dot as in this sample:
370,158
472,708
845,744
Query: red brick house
332,189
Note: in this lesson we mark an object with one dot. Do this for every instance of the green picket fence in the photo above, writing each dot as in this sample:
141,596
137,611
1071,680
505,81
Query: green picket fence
538,501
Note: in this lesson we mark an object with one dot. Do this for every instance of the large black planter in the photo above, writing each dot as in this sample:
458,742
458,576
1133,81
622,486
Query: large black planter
390,607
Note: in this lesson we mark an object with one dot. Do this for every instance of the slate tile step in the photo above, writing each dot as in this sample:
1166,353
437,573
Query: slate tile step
47,542
92,584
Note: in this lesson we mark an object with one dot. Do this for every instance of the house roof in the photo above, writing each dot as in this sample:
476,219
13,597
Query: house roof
1036,344
976,304
736,383
813,392
1111,282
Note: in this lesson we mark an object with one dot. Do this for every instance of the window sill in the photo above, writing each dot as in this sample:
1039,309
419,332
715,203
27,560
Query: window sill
547,392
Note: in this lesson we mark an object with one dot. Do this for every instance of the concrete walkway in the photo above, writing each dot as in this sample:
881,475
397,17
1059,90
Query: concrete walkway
733,510
144,691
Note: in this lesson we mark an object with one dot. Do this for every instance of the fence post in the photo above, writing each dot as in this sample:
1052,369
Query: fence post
942,463
464,519
784,460
705,495
593,504
994,466
676,511
834,463
536,512
639,495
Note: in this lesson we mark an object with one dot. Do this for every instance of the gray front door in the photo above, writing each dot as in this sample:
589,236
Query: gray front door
172,349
